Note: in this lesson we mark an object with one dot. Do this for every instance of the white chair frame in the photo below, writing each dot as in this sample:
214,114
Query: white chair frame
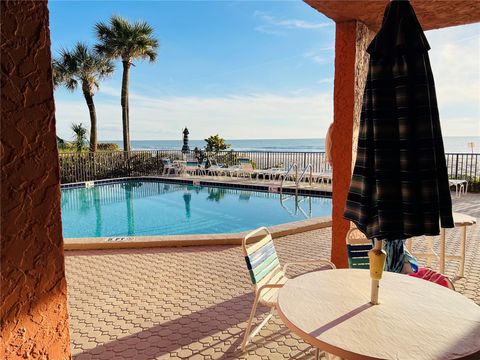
278,274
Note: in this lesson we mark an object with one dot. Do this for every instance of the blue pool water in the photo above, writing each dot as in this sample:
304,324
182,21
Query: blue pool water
155,208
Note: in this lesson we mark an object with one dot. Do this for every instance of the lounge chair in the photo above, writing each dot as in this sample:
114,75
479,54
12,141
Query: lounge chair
266,275
323,178
272,173
169,167
193,168
179,166
214,170
231,170
245,167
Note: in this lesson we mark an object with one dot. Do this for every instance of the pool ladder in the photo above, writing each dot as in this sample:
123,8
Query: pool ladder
297,178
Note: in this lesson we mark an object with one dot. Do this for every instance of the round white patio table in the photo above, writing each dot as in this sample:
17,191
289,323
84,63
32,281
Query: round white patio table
416,319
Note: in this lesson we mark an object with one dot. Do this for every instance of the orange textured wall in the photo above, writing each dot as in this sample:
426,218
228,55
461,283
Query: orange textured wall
34,318
351,60
343,115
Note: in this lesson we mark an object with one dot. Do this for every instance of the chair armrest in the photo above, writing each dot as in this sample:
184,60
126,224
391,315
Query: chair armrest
306,262
269,286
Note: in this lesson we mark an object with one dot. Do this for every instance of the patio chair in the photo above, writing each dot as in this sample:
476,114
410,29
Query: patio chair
192,168
168,167
214,170
245,167
272,173
229,170
266,274
179,167
358,247
461,186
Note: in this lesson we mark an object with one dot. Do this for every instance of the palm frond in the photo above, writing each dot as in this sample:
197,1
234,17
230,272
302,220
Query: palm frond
125,40
80,64
71,84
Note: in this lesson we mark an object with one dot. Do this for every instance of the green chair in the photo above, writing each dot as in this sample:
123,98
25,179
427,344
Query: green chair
357,249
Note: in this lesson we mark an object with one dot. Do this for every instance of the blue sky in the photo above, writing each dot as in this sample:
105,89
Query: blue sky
259,69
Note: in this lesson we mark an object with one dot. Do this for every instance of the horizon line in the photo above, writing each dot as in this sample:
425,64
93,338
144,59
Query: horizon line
250,139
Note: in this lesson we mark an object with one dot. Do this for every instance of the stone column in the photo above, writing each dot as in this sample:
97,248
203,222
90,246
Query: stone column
34,317
351,60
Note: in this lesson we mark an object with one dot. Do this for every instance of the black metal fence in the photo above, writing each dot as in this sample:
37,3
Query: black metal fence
464,166
77,167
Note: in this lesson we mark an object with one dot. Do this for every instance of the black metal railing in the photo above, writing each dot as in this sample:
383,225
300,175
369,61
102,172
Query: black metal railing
77,167
463,166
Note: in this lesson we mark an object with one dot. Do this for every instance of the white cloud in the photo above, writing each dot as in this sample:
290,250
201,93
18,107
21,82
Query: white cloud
455,58
272,24
234,117
325,81
320,56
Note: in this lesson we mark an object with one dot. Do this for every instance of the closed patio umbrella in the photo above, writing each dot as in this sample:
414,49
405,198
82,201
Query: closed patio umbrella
399,185
185,147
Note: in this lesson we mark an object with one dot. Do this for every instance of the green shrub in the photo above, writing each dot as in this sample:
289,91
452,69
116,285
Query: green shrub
108,147
215,144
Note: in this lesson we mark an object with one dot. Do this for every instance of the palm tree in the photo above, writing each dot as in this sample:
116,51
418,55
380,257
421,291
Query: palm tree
126,41
79,136
84,66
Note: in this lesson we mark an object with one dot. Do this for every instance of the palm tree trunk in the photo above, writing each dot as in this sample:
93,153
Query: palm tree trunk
93,121
124,101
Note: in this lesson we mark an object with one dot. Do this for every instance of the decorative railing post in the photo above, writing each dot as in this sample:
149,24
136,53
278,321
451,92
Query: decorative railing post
456,167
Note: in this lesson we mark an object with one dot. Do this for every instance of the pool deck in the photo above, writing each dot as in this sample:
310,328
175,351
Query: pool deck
193,302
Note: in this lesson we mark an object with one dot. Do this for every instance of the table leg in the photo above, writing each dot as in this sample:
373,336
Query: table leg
462,251
442,251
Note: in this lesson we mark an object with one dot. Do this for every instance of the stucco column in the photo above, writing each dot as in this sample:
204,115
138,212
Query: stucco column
351,62
34,317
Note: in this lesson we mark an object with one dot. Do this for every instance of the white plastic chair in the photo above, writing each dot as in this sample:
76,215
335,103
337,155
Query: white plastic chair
461,186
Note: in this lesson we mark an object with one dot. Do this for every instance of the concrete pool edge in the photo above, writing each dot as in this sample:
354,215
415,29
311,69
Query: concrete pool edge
132,242
210,181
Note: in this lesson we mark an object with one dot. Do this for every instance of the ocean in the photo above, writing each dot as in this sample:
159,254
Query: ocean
453,144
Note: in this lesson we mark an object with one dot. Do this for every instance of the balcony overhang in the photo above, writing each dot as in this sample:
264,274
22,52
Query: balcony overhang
432,14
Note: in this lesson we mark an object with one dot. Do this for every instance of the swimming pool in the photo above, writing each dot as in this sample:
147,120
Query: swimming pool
141,208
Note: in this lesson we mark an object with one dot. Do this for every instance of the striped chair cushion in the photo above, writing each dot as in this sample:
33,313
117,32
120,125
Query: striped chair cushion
358,256
262,262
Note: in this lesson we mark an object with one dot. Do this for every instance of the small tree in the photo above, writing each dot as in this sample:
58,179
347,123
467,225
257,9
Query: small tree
81,66
79,136
215,144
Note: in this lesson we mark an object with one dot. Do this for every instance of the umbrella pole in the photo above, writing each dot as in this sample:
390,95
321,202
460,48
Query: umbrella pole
377,263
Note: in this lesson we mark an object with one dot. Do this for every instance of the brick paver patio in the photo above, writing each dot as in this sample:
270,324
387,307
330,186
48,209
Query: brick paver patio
193,302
